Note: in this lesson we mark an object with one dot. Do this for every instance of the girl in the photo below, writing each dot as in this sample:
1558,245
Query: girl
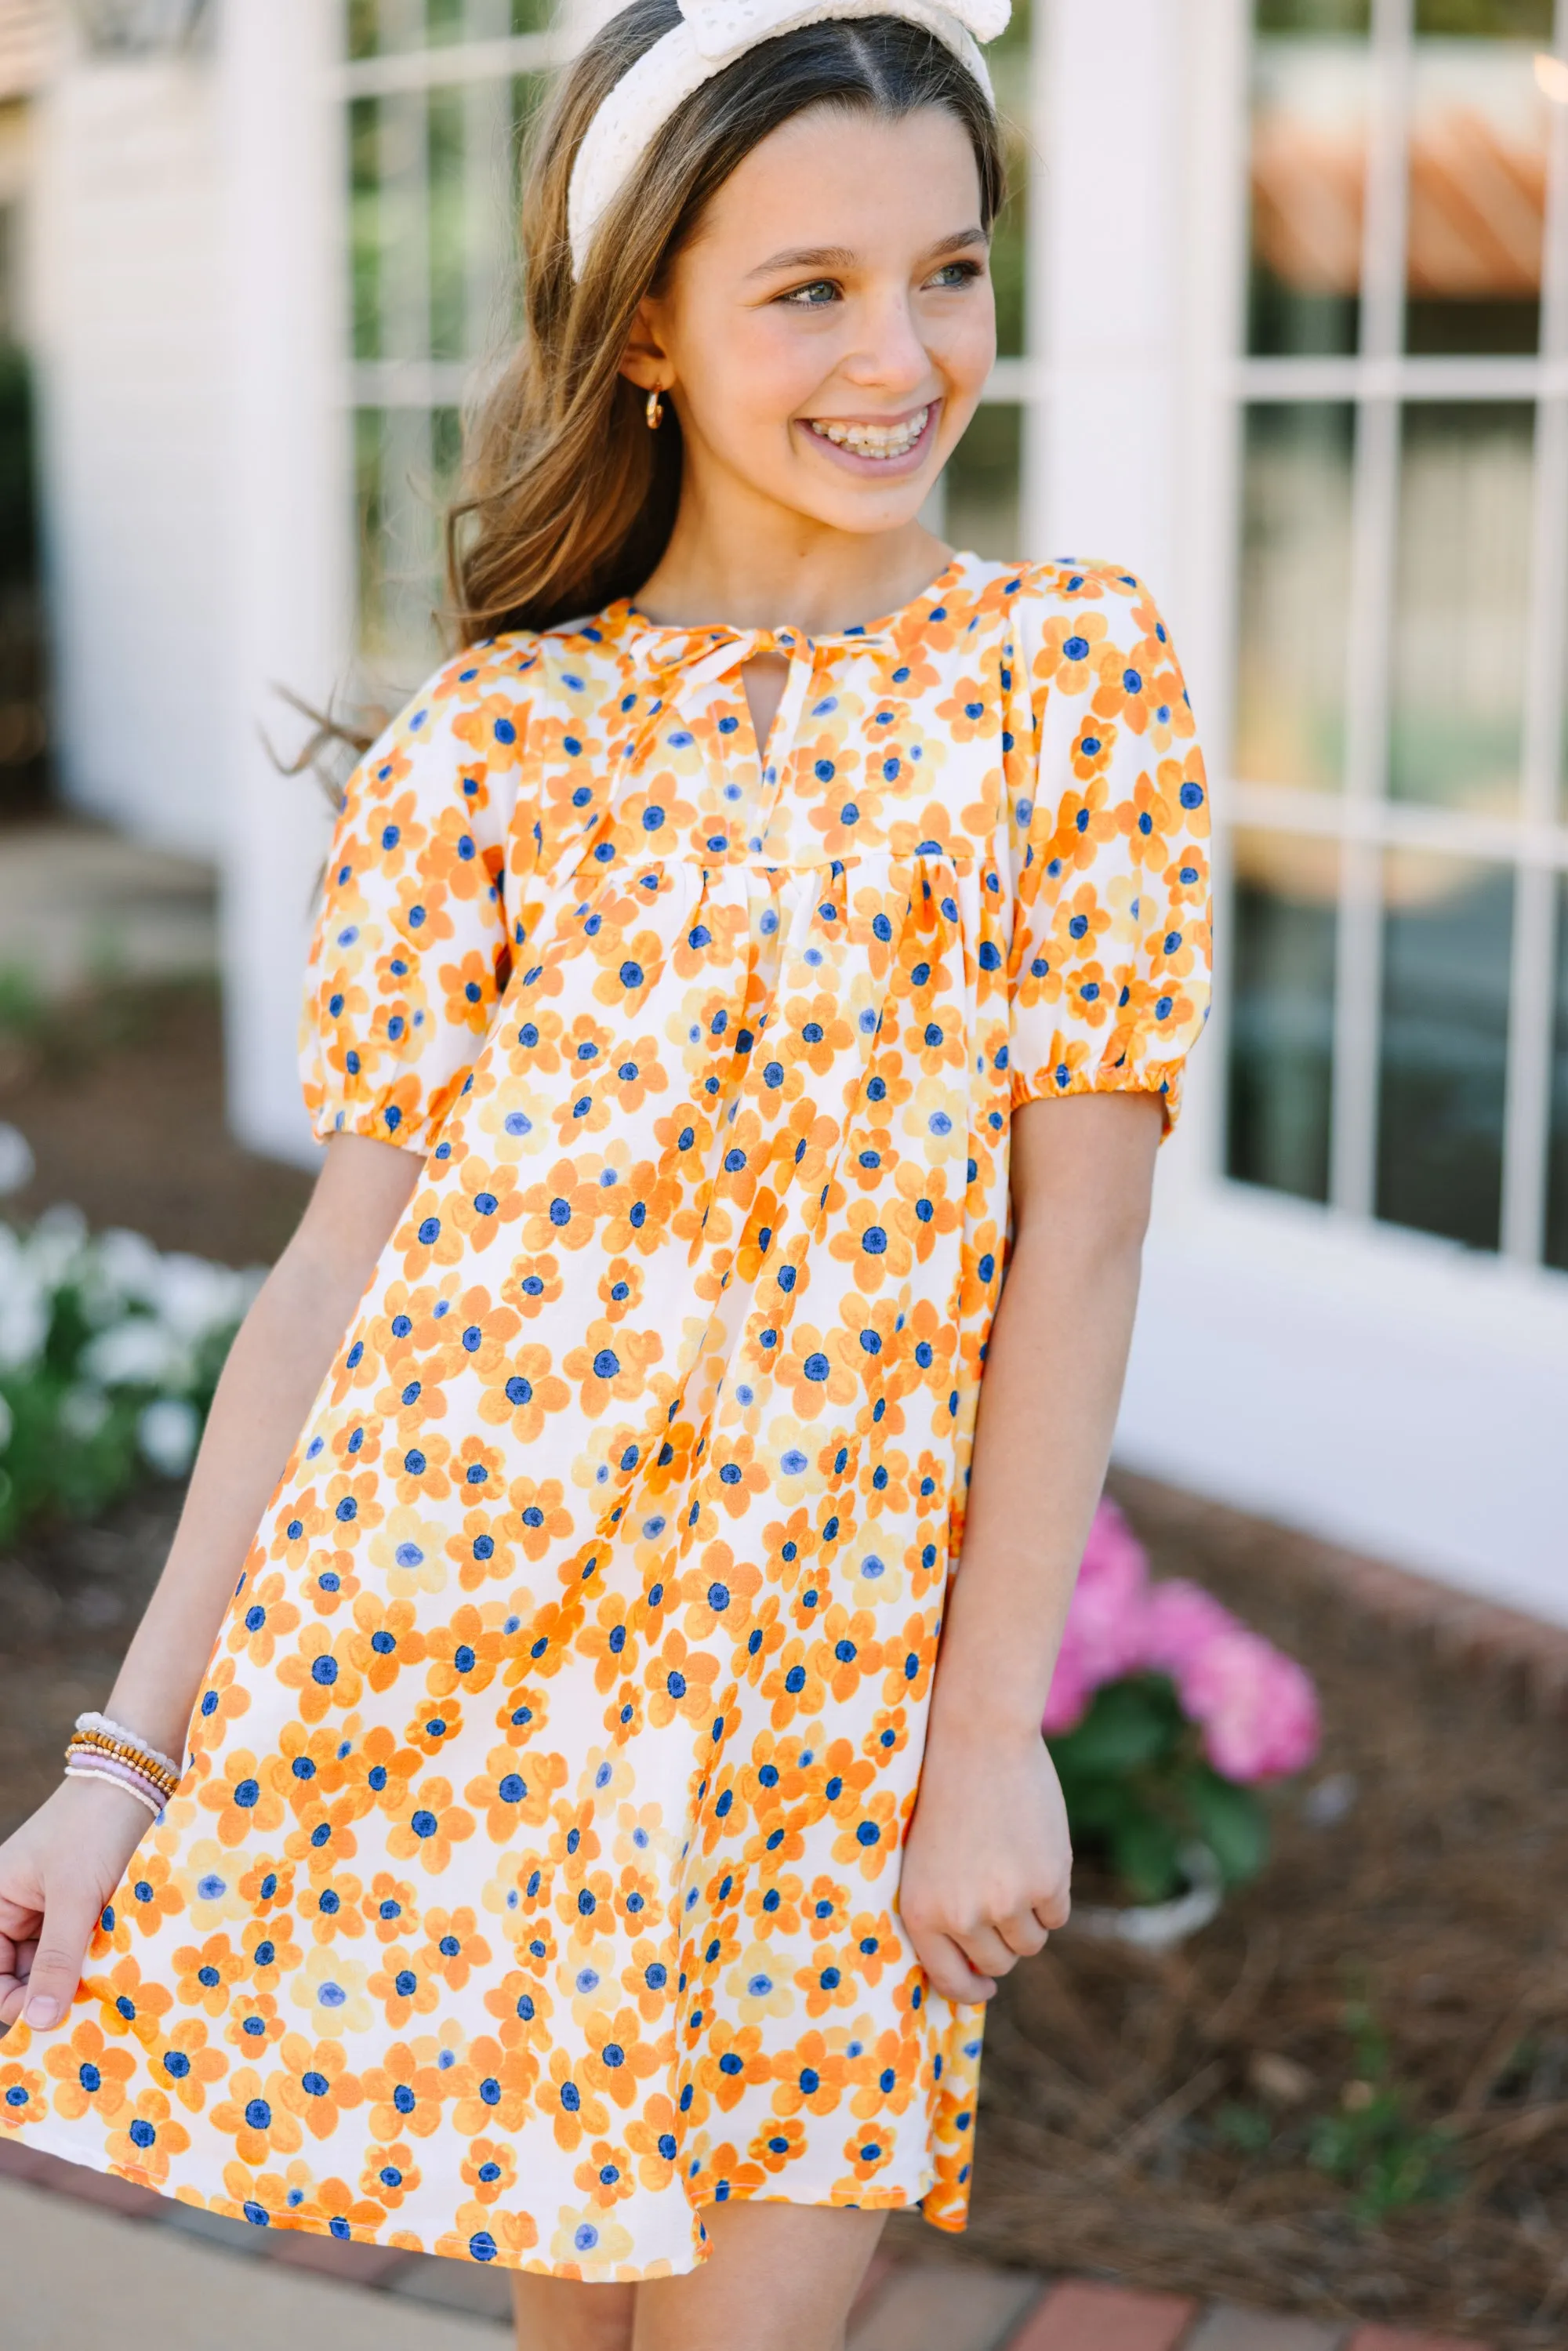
579,1859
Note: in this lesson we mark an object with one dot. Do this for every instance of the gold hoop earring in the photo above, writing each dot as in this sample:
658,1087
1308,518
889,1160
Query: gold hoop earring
654,409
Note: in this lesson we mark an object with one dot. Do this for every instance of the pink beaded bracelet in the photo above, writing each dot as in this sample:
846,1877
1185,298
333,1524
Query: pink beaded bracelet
87,1764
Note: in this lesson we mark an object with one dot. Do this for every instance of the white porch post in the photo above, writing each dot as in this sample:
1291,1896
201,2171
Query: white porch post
1110,140
288,596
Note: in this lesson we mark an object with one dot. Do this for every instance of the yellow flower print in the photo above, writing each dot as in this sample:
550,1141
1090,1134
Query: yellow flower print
330,1992
588,2243
408,1551
759,1987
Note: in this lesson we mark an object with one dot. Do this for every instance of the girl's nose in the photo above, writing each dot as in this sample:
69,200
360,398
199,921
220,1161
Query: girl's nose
891,355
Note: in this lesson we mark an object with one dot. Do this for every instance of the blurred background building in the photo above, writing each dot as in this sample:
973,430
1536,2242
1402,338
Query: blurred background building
1283,295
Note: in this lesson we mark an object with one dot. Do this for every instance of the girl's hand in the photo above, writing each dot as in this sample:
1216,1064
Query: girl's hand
988,1860
55,1874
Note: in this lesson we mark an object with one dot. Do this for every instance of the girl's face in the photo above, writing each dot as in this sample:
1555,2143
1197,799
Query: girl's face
826,333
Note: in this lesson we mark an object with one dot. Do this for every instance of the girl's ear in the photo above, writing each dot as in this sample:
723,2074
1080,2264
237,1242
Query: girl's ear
644,361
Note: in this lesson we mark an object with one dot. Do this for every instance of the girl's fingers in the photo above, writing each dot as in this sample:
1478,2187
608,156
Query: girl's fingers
55,1970
987,1952
950,1972
14,1971
1024,1933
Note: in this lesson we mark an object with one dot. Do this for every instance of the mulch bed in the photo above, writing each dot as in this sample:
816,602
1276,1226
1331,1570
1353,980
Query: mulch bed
1397,1977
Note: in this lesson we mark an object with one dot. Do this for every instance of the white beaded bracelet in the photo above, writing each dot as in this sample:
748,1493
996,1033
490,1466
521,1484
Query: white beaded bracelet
137,1787
128,1738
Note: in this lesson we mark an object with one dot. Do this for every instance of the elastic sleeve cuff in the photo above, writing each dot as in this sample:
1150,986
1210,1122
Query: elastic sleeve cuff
1161,1079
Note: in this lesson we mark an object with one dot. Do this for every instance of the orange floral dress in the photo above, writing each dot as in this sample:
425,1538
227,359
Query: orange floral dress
533,1882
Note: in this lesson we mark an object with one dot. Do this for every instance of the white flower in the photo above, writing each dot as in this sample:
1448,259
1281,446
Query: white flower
138,1353
167,1433
16,1161
56,1247
195,1298
83,1412
122,1269
24,1306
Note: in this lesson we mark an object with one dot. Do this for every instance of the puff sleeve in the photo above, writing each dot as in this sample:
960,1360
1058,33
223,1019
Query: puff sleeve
1109,968
411,951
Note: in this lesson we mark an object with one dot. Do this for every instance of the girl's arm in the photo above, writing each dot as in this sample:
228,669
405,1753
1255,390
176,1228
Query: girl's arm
987,1861
60,1867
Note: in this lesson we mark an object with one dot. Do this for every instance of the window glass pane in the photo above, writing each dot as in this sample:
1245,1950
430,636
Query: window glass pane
399,500
402,225
1461,605
448,225
361,31
365,225
1480,131
1283,926
1557,1169
1007,60
1447,943
1310,70
980,485
1294,593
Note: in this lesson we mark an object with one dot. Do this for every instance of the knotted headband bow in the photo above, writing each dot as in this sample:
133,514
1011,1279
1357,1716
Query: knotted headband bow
711,35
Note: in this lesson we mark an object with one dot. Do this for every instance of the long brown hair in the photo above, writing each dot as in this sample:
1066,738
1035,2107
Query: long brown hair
568,499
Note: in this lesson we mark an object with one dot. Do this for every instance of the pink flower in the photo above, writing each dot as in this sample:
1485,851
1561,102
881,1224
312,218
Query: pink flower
1259,1709
1102,1639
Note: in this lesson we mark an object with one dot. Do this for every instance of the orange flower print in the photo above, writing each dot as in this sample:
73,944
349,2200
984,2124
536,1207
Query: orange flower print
92,2073
535,1872
147,2140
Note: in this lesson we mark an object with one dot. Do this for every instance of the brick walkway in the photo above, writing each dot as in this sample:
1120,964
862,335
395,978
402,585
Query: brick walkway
86,2258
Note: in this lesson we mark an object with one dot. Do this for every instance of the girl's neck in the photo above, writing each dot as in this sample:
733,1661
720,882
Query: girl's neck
726,569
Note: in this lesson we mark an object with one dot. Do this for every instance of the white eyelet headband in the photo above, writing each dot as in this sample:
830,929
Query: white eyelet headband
711,35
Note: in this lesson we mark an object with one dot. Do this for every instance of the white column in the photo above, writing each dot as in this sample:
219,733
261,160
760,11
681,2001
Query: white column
1110,141
288,596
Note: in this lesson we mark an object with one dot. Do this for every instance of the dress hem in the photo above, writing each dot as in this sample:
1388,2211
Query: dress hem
405,2240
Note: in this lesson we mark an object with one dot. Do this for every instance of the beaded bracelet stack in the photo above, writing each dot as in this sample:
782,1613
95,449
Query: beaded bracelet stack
102,1749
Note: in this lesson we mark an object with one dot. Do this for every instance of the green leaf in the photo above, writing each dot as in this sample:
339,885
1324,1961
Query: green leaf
1146,1852
1129,1724
1232,1822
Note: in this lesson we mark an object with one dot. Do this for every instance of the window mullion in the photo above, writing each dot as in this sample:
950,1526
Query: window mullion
1374,527
1527,1102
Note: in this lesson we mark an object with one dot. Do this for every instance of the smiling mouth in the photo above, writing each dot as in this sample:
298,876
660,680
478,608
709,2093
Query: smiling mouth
892,440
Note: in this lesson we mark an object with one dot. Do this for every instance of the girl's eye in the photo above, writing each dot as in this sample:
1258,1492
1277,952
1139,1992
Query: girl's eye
956,274
815,296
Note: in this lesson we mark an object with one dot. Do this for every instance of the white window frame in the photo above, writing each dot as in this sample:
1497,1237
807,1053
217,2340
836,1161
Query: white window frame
1360,819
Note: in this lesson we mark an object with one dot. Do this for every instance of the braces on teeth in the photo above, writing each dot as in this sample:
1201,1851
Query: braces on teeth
876,440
